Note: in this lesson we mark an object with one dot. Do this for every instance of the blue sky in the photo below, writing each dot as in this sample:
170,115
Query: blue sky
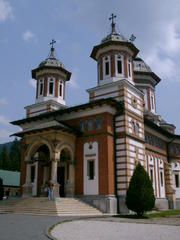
27,27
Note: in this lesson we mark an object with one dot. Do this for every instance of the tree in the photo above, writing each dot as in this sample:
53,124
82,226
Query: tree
140,194
15,156
4,159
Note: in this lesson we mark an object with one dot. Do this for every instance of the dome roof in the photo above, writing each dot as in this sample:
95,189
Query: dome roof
114,37
51,60
141,66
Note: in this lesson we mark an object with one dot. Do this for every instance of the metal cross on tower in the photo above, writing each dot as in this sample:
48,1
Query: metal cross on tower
113,30
112,18
52,43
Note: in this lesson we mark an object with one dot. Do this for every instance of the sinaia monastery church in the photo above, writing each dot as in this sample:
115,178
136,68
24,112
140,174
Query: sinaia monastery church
90,151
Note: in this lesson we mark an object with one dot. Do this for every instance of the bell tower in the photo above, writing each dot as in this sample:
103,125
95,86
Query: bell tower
114,57
51,77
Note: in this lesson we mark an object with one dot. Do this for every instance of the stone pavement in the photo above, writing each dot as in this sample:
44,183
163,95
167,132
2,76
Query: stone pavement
115,230
25,227
28,227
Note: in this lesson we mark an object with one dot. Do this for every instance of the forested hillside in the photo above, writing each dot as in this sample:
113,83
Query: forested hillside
10,156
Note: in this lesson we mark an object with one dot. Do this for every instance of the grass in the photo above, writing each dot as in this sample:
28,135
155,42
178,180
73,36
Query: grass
162,214
159,214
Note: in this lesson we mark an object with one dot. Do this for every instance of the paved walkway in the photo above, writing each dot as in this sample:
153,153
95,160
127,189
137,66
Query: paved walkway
24,227
105,230
27,227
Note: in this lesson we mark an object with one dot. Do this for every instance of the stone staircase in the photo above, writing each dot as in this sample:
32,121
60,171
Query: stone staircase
42,206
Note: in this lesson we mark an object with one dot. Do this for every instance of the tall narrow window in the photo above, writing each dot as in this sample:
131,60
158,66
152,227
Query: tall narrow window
177,180
119,64
51,86
152,102
60,89
151,175
32,173
41,87
129,68
106,66
90,170
161,177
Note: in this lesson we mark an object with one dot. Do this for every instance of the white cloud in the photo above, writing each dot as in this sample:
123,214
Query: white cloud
73,81
6,11
32,82
3,101
165,67
163,54
28,35
4,120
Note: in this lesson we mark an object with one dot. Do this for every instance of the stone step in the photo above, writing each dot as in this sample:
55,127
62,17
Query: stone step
42,206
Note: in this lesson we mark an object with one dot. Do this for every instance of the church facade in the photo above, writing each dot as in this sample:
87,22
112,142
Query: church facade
90,150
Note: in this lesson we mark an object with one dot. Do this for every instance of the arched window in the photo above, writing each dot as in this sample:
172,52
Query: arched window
135,127
90,125
61,89
129,68
152,102
51,86
119,64
99,123
41,87
106,66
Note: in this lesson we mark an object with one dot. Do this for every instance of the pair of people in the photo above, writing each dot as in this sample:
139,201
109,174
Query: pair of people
49,189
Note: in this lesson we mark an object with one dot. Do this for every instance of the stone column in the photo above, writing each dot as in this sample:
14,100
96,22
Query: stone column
170,191
54,164
27,187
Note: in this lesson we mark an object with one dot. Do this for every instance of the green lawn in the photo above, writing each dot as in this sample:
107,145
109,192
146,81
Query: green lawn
167,213
158,214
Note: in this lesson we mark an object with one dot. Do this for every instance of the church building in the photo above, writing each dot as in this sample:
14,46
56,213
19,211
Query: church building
90,151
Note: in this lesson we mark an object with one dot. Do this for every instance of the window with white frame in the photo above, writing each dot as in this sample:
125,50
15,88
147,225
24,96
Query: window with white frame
106,66
129,68
177,180
51,86
91,169
152,102
162,178
61,89
119,65
151,175
41,87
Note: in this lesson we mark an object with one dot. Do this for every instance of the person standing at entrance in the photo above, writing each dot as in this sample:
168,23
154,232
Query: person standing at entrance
51,191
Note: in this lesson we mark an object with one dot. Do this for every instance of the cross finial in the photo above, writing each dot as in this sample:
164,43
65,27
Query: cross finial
113,30
52,43
112,18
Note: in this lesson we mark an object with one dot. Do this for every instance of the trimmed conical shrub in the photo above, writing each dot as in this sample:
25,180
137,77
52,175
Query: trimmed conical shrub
140,194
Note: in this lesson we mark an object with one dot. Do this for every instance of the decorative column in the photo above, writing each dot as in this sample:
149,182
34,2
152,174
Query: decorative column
54,164
170,191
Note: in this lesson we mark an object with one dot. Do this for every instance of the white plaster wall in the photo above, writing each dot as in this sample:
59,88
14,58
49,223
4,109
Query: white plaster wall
176,170
91,187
